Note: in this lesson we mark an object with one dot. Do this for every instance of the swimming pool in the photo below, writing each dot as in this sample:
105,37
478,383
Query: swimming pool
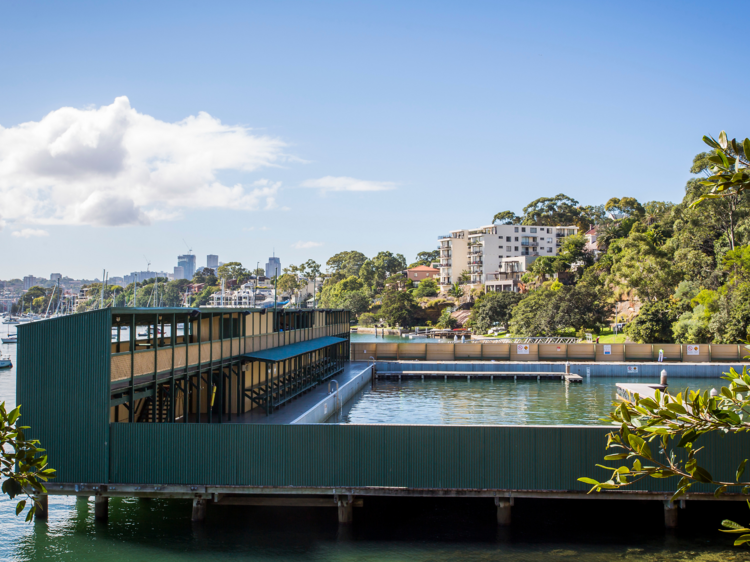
499,402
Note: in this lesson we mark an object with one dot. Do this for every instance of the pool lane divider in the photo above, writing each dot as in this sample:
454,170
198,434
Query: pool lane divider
491,375
333,403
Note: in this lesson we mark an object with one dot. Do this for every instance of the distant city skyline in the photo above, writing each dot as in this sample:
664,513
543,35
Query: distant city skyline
370,127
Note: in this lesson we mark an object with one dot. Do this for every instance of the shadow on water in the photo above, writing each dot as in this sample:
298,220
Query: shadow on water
384,529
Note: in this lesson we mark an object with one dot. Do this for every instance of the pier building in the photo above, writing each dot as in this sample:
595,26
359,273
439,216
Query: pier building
226,407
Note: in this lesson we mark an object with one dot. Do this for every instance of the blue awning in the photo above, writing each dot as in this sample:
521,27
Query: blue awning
293,349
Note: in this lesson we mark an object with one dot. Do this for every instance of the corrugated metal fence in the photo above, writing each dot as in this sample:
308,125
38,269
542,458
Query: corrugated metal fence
63,389
453,457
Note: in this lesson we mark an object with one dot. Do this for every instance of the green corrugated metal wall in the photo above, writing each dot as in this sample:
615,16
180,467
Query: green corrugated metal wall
63,386
518,458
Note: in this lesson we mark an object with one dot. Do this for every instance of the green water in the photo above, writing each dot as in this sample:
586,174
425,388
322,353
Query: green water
446,529
498,402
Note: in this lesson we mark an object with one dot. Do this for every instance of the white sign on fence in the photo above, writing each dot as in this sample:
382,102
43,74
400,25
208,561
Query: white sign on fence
693,350
522,349
632,368
607,349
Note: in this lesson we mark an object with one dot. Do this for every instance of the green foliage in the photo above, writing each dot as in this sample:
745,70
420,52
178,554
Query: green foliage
506,217
398,307
728,165
356,301
426,258
346,263
654,322
427,288
669,424
367,319
446,321
23,464
233,270
628,206
533,316
494,308
545,312
456,291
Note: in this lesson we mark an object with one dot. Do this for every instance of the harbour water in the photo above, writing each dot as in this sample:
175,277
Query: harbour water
498,402
383,530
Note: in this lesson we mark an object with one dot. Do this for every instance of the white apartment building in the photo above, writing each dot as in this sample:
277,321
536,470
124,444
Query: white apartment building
497,255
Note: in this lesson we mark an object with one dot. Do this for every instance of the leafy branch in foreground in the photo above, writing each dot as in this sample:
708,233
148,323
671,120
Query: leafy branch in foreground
665,419
730,173
23,465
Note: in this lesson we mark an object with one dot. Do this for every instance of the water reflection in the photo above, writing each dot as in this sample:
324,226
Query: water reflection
501,402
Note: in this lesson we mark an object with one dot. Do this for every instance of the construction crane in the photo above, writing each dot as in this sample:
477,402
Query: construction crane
148,266
190,250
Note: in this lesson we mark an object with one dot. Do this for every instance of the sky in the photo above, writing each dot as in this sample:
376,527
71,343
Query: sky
132,132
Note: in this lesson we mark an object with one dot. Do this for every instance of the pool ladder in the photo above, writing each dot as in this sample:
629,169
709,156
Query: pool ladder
335,396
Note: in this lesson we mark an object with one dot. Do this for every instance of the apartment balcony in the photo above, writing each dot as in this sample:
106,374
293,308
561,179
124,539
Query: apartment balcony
504,276
560,235
474,262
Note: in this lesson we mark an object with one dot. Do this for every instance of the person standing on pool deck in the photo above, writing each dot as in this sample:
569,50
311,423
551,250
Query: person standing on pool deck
597,339
661,355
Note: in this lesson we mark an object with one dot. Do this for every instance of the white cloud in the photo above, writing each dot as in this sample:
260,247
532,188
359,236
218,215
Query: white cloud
114,166
305,245
343,183
29,233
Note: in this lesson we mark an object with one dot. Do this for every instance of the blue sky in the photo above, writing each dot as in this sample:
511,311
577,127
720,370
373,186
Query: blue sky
417,118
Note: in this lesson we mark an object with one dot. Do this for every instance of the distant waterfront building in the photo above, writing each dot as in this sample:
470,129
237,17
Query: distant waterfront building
179,272
497,255
54,276
212,261
142,276
116,281
187,263
273,265
28,282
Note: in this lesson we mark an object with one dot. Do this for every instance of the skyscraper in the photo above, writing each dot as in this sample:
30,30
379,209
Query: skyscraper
187,263
273,265
179,272
212,262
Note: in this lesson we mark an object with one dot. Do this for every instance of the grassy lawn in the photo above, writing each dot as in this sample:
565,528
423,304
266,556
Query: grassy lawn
606,336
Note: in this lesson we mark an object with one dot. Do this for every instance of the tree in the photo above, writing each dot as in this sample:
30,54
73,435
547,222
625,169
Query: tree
456,291
356,301
258,272
465,277
287,283
628,206
398,307
426,258
346,263
446,321
233,270
654,322
427,288
23,464
552,211
387,264
582,306
534,315
494,308
506,217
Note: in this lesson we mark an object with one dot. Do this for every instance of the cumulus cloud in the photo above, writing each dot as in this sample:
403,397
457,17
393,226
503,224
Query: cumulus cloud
29,233
305,245
343,183
113,166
